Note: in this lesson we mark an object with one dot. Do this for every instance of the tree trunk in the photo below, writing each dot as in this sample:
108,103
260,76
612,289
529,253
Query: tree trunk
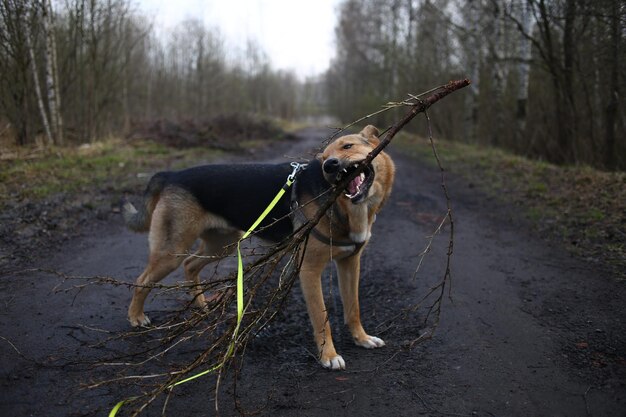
610,112
567,85
55,69
93,74
200,92
561,105
471,103
497,74
523,70
51,88
125,78
33,63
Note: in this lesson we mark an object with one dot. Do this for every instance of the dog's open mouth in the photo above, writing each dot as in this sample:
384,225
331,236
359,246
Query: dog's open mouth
358,187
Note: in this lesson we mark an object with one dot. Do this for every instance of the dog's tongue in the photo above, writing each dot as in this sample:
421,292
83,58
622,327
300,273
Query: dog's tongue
354,184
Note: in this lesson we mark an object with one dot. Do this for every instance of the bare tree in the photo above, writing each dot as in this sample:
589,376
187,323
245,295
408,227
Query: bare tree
523,68
542,71
15,71
473,52
54,98
616,21
33,64
496,48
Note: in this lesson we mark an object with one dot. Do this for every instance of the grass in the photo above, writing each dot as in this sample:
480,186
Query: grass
71,170
583,208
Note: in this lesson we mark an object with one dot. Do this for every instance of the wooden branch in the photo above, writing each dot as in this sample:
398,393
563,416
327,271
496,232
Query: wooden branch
419,105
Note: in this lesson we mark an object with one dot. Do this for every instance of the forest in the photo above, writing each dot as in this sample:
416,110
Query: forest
547,75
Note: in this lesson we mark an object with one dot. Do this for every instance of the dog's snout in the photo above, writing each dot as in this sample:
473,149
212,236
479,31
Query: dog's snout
331,165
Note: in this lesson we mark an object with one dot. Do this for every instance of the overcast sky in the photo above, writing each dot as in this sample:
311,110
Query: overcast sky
296,34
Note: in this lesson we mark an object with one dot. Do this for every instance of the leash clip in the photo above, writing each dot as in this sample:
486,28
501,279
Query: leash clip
297,167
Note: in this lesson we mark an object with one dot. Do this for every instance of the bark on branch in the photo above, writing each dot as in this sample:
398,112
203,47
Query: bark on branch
417,105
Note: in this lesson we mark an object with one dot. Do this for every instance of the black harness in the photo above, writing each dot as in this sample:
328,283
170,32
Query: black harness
301,217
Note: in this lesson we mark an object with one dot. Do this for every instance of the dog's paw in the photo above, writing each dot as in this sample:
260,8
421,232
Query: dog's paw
200,302
370,342
139,321
334,363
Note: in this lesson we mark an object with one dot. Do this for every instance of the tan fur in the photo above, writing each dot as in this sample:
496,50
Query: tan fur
360,219
176,214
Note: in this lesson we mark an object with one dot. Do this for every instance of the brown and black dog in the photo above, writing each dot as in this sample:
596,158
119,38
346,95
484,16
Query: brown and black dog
215,203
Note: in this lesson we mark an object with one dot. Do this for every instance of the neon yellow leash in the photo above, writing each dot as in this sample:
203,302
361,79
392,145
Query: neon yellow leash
297,167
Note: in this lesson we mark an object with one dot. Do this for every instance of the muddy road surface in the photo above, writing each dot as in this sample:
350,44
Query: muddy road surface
530,330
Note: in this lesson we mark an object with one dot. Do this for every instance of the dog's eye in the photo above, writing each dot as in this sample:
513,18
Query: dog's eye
347,146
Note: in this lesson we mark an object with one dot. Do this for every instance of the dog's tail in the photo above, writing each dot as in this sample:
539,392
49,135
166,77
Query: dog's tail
139,220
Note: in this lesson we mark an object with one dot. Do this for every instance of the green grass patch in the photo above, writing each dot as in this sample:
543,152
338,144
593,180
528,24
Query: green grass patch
535,214
113,163
595,214
152,149
537,187
582,207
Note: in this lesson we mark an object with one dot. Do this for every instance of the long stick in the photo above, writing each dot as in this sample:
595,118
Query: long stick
420,105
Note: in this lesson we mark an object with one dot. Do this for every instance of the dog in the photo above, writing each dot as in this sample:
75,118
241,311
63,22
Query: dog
216,203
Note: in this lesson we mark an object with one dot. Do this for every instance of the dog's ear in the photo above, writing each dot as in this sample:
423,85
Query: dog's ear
370,133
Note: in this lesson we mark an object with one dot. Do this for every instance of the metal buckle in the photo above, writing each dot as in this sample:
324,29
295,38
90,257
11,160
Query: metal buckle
297,167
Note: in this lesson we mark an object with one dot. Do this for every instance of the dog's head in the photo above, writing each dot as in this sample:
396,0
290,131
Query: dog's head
341,157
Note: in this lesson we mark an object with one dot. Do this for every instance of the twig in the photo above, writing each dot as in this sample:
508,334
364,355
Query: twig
16,349
435,307
428,247
585,398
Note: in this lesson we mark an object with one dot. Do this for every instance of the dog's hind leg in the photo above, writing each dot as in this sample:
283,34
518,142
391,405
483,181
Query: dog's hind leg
159,266
175,226
216,244
349,271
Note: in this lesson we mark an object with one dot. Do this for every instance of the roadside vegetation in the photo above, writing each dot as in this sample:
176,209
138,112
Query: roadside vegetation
35,173
50,194
49,197
582,208
40,174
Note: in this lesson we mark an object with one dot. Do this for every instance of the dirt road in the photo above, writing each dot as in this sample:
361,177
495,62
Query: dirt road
530,332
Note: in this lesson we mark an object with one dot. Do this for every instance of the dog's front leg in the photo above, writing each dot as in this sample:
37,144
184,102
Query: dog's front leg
311,283
349,272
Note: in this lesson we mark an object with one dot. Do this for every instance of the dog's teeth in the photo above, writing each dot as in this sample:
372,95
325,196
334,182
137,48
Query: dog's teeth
358,189
345,170
362,176
355,165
